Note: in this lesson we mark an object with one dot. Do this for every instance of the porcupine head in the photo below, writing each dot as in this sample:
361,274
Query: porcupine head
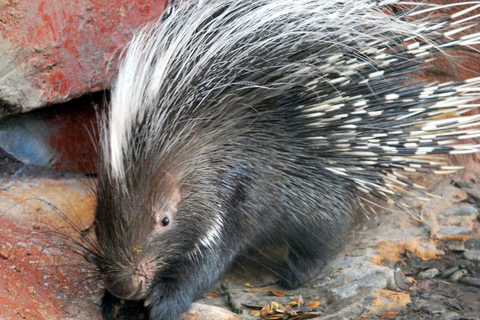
237,122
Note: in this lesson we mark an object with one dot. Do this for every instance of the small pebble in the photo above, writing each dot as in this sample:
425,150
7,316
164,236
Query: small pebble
457,275
447,273
458,247
4,254
428,274
433,310
473,255
453,231
465,210
472,244
471,281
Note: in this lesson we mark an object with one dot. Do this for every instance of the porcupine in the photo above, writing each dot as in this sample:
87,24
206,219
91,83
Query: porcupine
238,122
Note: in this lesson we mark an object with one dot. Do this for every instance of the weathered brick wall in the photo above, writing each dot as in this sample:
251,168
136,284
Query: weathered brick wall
54,50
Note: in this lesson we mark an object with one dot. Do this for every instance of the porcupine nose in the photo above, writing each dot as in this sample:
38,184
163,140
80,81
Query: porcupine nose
125,287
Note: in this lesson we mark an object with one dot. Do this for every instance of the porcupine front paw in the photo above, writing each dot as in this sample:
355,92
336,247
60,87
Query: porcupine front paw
119,309
168,300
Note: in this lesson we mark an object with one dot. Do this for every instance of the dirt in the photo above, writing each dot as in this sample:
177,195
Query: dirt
443,296
426,299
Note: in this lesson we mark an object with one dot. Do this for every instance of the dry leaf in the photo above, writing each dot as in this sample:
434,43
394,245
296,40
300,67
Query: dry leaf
211,294
300,301
275,311
275,305
277,293
422,286
265,311
313,305
255,313
401,280
389,314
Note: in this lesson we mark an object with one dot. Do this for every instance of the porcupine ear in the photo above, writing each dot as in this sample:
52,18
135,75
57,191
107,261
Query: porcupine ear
165,214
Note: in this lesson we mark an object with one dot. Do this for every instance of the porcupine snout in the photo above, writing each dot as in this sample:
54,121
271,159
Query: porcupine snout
132,284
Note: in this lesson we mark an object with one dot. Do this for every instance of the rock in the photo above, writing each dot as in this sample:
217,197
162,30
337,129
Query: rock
453,231
428,274
51,52
457,275
456,246
205,312
463,210
470,281
473,191
473,244
473,255
63,137
447,273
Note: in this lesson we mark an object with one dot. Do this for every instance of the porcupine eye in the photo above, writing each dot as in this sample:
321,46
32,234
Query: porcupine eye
165,222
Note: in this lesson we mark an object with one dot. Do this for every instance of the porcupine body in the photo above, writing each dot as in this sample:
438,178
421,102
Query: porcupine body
239,122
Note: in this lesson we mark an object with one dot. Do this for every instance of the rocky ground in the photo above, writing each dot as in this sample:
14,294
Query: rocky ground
395,267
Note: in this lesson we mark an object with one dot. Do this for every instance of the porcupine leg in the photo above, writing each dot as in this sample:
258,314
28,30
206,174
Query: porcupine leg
173,294
310,251
301,266
110,306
